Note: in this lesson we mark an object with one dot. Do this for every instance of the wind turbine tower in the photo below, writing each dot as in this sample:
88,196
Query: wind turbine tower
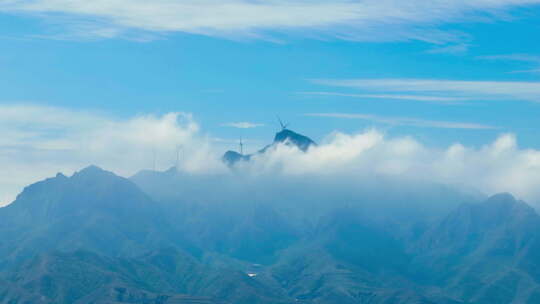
179,150
241,146
154,158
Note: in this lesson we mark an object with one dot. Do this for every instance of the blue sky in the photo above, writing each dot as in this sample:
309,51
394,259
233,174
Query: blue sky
46,58
231,78
440,72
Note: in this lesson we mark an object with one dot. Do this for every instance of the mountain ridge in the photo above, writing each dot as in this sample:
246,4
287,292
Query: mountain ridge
132,246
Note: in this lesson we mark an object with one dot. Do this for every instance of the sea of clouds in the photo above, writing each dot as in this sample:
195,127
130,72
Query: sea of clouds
41,141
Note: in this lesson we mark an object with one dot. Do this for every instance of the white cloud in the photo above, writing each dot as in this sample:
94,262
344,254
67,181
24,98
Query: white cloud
497,167
366,20
481,90
243,125
406,121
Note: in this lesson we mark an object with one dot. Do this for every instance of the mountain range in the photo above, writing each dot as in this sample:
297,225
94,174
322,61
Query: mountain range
171,237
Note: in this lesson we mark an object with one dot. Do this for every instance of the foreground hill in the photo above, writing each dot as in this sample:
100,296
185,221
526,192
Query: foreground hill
163,237
165,276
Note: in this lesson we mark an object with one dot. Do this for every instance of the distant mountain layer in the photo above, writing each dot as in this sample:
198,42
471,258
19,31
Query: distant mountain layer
95,237
285,137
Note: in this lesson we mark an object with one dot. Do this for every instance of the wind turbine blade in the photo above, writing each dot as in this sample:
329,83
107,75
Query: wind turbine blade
281,123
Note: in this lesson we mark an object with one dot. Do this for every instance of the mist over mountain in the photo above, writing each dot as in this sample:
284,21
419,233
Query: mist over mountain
144,158
239,237
125,146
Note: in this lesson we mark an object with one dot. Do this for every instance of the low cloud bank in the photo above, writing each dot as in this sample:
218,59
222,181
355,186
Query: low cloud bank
41,141
497,167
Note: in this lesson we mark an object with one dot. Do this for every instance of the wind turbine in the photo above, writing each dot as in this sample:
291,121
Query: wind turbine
282,125
154,158
179,149
241,146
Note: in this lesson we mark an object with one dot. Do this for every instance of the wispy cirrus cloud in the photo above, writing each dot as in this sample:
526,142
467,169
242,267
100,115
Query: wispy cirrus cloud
514,57
366,20
243,125
423,98
480,90
406,121
450,49
533,60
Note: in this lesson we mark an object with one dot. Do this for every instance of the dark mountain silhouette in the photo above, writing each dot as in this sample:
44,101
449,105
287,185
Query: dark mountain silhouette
292,138
232,157
285,137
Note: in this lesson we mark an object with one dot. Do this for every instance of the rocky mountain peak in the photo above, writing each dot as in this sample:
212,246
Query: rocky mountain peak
287,136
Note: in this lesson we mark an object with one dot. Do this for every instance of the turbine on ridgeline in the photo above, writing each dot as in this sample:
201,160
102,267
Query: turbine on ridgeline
241,146
282,125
